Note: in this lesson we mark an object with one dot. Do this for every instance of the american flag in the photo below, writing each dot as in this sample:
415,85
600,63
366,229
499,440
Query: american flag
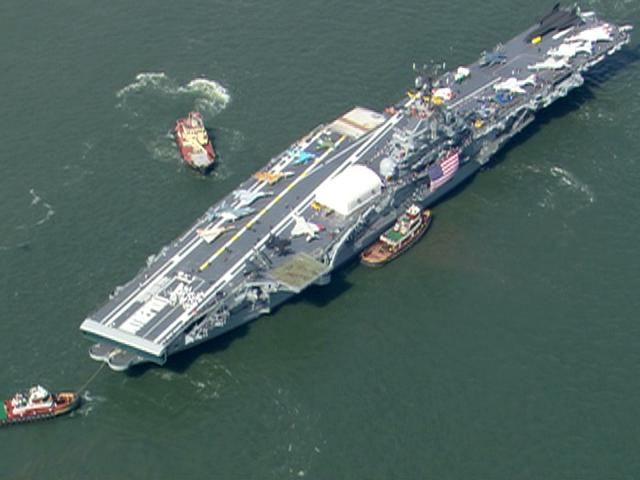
441,173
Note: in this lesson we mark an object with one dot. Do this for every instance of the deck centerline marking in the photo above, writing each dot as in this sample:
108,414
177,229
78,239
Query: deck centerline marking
353,158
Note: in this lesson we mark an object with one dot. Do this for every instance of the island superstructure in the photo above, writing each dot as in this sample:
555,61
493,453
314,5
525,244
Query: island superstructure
331,194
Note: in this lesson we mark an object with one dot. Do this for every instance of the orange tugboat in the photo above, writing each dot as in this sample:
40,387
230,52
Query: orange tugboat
195,147
409,228
37,404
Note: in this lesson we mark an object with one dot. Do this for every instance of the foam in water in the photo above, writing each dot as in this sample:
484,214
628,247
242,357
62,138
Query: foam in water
88,403
208,96
143,80
571,181
87,397
49,211
35,198
162,148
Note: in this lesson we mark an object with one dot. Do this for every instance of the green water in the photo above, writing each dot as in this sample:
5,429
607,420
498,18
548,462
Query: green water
503,346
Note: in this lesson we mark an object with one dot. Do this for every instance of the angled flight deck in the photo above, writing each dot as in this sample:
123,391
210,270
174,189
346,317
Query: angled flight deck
332,193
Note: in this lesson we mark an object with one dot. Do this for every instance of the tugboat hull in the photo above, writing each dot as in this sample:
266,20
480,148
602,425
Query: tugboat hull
194,143
379,254
65,403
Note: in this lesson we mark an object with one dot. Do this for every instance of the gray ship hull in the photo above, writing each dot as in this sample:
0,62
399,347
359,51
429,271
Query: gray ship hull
330,195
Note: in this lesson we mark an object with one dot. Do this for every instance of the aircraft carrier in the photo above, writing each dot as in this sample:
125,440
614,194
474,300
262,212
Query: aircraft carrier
332,193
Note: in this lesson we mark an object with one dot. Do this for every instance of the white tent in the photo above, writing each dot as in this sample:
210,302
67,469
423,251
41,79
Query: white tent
356,186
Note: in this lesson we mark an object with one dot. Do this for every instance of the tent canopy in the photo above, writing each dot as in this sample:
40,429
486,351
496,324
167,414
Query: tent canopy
356,186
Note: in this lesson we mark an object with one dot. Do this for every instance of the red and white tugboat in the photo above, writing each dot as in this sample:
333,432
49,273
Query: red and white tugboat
195,147
37,404
408,229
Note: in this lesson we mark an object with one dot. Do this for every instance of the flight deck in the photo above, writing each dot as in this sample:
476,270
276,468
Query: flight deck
332,193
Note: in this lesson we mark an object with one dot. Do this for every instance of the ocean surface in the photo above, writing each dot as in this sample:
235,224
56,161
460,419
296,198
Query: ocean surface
505,345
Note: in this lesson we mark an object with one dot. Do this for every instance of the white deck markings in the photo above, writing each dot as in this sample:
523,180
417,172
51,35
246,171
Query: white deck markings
468,97
286,156
187,249
141,291
184,317
144,314
268,207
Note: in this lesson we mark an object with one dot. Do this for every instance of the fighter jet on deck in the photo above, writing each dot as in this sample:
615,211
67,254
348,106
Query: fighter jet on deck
247,197
325,143
232,214
302,158
601,33
272,177
570,50
549,64
304,227
210,233
492,58
281,246
513,85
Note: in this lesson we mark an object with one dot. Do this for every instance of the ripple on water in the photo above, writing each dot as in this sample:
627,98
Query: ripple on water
28,217
570,180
